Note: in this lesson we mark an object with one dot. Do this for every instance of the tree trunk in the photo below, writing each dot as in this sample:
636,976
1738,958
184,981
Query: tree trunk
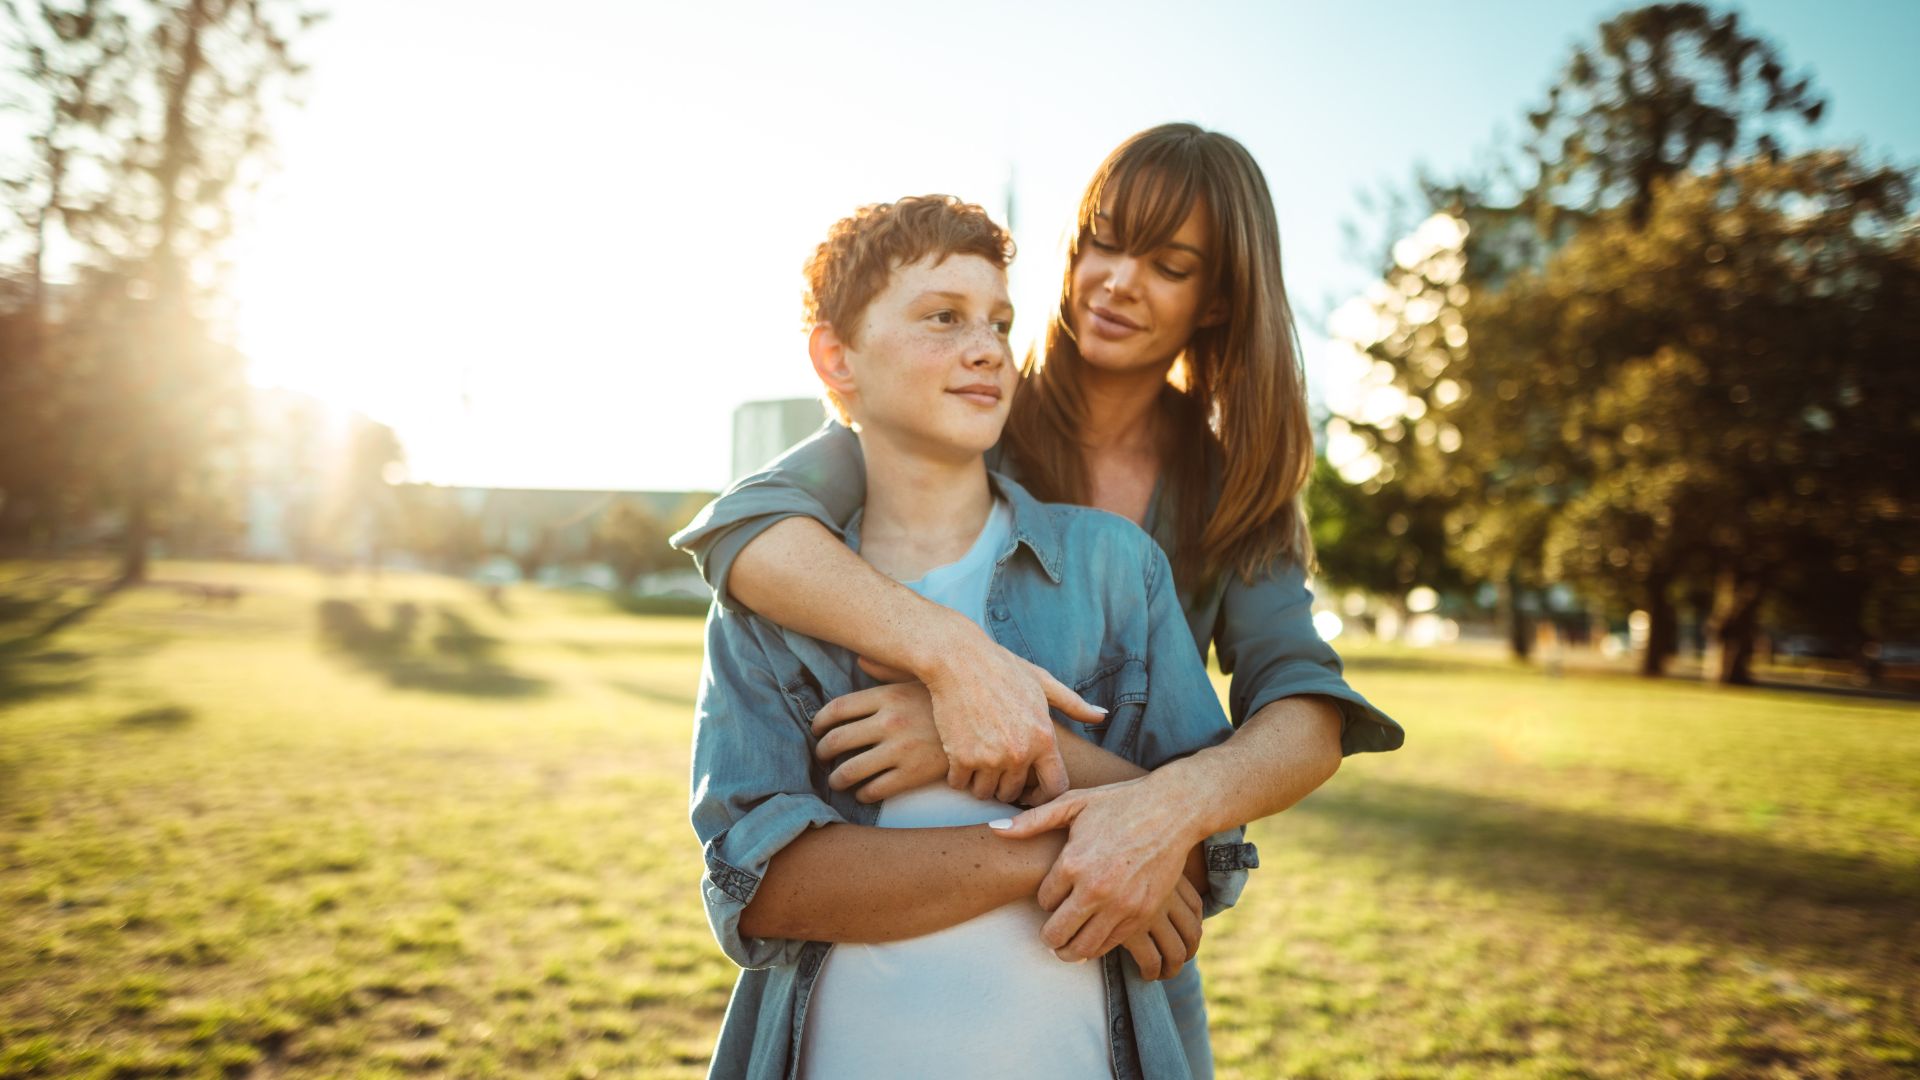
133,560
1736,617
1662,630
1519,627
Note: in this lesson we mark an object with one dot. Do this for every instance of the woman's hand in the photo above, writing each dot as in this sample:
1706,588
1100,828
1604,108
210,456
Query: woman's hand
895,725
1171,937
990,708
1127,847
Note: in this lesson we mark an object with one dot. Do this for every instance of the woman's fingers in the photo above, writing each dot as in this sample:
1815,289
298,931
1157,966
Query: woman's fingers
1094,937
1011,785
987,784
959,778
1051,776
1057,814
1054,889
1062,697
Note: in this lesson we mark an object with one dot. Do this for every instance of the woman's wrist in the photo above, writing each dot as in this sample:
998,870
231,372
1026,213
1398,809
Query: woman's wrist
942,646
1187,792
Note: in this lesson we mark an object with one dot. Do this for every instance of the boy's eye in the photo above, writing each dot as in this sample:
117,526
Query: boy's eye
945,318
1003,327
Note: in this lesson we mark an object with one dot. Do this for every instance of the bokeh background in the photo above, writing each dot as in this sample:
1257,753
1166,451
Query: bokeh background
356,361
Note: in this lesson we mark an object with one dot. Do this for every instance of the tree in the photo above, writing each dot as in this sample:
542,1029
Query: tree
1727,369
633,542
1665,89
167,101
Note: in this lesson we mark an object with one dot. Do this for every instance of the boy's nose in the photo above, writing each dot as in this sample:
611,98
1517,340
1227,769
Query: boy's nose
985,348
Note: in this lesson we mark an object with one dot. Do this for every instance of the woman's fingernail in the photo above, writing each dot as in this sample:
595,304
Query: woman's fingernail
1000,823
1098,709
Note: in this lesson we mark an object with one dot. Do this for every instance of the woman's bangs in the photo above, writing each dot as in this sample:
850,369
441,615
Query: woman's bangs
1149,202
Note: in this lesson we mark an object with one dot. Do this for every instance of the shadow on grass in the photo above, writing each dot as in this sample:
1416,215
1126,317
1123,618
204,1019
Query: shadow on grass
29,667
158,718
458,659
1731,889
30,671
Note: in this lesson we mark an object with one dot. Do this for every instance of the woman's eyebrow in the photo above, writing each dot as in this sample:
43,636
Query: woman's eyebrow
1197,253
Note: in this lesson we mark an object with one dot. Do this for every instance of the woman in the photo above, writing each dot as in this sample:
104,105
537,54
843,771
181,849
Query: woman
1169,391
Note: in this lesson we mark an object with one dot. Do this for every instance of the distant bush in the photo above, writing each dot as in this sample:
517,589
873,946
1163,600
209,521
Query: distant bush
661,605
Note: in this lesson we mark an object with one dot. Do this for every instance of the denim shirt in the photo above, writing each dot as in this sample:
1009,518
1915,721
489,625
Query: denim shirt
1261,629
1081,592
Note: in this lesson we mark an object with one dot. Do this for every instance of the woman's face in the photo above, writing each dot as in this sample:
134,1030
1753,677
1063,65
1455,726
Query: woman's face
1134,312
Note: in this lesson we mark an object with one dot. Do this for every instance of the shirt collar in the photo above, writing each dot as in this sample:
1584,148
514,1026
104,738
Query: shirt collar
1032,526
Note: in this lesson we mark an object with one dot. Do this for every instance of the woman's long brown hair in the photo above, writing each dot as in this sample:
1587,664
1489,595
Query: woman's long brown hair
1238,394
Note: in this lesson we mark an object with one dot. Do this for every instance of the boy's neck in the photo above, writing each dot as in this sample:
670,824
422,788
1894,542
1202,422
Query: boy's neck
923,510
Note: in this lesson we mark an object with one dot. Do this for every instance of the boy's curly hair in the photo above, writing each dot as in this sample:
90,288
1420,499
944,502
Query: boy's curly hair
852,265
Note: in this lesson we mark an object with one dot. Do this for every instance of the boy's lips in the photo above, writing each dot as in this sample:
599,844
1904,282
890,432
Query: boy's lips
979,393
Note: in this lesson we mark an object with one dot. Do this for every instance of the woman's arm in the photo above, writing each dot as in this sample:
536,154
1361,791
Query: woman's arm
990,706
1266,640
765,545
858,883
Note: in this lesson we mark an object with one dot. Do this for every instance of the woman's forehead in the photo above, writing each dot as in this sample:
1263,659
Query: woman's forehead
1151,208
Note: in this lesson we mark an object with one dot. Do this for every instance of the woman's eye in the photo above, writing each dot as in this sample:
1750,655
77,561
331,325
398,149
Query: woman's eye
1175,275
1101,244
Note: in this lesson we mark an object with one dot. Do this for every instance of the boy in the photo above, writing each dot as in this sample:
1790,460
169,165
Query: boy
903,939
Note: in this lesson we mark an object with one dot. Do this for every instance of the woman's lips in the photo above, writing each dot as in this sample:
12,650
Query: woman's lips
1108,324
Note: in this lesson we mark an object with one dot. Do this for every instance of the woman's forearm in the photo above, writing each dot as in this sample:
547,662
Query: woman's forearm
858,883
1275,759
990,706
801,576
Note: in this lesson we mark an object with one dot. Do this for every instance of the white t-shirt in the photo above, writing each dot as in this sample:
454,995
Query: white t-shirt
984,998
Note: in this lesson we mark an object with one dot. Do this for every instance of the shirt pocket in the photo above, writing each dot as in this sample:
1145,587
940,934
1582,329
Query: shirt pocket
1120,687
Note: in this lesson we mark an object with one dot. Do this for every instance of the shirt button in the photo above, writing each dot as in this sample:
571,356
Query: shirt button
999,614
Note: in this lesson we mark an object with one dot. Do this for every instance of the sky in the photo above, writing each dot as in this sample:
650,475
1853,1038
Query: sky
559,251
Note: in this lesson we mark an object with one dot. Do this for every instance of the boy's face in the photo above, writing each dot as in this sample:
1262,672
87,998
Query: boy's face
932,365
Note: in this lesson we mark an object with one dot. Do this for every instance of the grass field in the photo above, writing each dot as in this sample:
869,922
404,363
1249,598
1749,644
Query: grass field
354,828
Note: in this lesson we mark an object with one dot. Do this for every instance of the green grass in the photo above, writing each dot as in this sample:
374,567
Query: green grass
389,828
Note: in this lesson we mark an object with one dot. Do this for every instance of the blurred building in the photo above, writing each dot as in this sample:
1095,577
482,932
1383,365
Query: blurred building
763,430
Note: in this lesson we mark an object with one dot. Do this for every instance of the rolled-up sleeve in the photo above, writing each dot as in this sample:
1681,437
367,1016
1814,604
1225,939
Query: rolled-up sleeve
823,477
1266,640
752,790
1184,715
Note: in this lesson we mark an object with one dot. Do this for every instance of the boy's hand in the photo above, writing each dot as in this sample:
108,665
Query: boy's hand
895,725
1171,938
990,708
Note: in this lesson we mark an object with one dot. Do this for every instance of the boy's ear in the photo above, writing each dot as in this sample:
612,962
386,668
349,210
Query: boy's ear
829,356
